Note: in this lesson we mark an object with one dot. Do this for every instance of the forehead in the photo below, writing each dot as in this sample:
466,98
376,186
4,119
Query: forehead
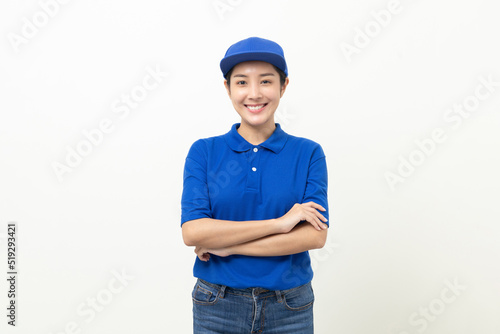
254,66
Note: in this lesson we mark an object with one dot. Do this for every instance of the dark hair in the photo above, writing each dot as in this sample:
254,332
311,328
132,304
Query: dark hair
280,72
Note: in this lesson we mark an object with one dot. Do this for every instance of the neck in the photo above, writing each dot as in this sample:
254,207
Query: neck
256,135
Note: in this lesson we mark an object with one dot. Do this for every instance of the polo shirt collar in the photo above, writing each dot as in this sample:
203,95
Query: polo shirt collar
274,143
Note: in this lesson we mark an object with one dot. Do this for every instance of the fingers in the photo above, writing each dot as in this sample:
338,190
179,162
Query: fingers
314,210
319,215
315,205
202,254
309,212
315,218
315,222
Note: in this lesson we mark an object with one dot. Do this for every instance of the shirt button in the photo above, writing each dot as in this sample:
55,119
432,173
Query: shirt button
255,149
254,169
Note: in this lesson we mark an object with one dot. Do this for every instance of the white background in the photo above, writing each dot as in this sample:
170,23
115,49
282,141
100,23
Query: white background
390,252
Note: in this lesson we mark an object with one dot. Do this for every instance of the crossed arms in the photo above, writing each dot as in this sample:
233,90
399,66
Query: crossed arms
273,237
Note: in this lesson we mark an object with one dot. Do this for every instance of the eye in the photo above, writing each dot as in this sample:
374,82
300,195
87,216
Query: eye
266,81
241,82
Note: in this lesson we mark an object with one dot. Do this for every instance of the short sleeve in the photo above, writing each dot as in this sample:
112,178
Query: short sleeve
317,181
195,202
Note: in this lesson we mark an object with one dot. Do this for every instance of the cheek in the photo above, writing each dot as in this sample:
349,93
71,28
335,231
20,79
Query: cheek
237,104
237,98
273,93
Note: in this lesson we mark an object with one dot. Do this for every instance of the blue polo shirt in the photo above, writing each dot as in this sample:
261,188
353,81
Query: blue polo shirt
226,177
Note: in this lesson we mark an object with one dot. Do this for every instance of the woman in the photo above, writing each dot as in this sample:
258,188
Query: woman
254,202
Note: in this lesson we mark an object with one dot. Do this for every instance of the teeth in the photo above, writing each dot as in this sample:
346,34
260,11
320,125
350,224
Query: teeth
255,107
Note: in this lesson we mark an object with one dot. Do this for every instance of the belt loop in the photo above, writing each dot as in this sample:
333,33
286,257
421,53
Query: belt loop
222,291
278,296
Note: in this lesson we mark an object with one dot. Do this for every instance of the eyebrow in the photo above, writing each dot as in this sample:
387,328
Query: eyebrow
244,76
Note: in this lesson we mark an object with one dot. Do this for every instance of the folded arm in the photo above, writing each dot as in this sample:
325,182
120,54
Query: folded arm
216,234
302,238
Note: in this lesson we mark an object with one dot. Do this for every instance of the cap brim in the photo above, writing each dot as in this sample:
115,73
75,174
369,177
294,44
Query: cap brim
228,63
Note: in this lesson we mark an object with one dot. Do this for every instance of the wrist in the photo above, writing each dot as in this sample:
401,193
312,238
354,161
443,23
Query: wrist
278,225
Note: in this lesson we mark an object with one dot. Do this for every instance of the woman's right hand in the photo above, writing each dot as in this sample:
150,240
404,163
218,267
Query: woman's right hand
300,212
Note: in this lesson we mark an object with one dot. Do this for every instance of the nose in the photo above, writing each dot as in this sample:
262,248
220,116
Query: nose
254,92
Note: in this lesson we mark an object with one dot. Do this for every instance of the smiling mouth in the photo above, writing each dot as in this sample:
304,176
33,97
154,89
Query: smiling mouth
256,107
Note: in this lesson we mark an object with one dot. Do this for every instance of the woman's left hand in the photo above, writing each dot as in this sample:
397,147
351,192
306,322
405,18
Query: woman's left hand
204,253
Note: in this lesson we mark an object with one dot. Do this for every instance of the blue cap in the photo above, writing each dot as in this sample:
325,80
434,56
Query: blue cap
254,48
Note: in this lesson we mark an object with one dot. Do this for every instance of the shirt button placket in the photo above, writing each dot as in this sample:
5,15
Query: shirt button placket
253,180
255,149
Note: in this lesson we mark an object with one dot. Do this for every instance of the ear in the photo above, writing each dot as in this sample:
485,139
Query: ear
227,88
283,88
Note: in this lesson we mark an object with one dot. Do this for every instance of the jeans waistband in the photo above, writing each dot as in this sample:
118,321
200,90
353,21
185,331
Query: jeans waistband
251,292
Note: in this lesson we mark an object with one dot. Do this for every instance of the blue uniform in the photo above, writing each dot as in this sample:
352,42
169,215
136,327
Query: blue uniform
227,178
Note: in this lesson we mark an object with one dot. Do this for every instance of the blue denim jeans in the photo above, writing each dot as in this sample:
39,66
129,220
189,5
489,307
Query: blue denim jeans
218,309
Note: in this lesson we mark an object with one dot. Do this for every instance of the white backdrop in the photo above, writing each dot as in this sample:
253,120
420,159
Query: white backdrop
100,101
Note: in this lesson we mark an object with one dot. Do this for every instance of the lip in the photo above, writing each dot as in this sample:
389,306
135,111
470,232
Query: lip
264,105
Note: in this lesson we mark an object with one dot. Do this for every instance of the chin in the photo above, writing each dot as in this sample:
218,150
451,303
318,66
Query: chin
258,121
